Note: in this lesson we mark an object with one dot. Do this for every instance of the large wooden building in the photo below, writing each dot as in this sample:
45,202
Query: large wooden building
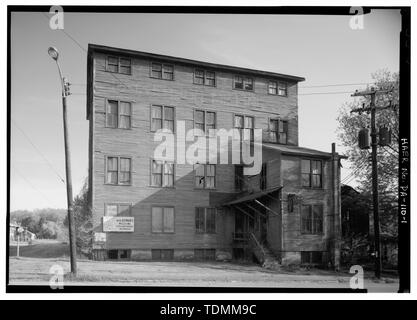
145,208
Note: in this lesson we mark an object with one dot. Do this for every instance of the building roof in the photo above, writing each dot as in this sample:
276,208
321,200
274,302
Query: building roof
252,196
148,55
295,150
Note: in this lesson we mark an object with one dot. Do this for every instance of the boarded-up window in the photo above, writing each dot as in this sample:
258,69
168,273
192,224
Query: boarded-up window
162,117
163,219
205,220
125,66
118,170
312,219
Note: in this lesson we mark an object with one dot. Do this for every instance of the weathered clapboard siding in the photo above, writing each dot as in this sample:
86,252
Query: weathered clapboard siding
138,143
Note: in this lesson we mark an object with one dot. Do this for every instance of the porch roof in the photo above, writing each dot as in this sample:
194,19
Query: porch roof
252,196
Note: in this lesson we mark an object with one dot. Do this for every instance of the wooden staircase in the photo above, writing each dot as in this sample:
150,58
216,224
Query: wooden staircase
263,254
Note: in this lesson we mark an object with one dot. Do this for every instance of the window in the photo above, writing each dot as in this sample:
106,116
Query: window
239,178
278,88
119,65
245,126
311,257
272,87
162,173
205,254
204,120
162,254
204,77
205,176
118,170
163,219
117,209
291,202
162,117
312,219
278,130
162,71
311,173
243,83
205,220
282,89
118,114
263,175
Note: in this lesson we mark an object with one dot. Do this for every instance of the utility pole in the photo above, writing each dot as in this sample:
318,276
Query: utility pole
53,52
374,143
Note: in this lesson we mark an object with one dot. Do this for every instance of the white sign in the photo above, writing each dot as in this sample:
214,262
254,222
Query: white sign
118,224
99,237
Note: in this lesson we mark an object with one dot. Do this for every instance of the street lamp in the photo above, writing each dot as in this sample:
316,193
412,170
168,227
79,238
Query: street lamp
53,52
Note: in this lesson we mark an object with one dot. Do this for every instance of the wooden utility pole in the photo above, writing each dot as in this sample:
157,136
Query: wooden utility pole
53,52
374,144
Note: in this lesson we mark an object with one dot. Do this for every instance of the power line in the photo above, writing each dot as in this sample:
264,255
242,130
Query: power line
39,152
32,186
354,172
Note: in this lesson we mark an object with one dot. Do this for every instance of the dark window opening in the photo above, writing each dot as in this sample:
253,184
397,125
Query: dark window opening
311,173
312,219
312,257
113,254
163,254
205,254
263,177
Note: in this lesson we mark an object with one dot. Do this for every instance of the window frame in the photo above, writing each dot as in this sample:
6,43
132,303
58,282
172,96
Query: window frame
205,111
263,176
205,176
118,170
118,114
244,121
310,186
163,116
205,231
162,64
162,174
118,64
163,219
130,204
243,83
280,123
312,220
280,85
205,78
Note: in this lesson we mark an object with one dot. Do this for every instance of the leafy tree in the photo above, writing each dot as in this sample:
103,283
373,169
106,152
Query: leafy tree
349,126
83,220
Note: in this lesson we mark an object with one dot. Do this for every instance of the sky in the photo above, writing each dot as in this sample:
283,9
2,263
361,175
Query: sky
323,49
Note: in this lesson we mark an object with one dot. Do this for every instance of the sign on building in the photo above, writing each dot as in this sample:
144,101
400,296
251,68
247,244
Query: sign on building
118,224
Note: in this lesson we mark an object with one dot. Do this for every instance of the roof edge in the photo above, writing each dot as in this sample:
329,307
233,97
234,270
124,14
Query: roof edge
100,48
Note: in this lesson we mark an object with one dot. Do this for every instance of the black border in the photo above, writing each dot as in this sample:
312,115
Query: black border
404,228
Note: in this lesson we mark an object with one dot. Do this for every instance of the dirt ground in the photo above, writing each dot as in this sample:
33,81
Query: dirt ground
36,271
